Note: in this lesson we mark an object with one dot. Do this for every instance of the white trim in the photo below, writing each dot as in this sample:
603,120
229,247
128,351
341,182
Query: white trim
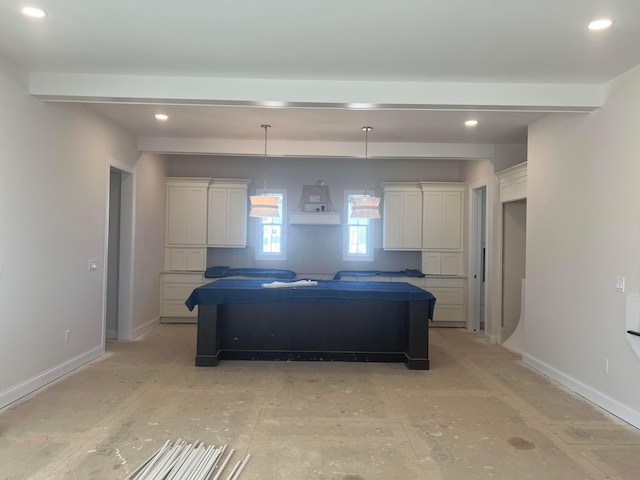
345,233
127,249
594,396
489,330
145,327
32,384
473,320
283,229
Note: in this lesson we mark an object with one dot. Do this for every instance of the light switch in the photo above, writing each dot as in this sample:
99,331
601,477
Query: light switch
93,265
620,284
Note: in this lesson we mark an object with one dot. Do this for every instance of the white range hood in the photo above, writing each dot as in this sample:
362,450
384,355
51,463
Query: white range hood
315,207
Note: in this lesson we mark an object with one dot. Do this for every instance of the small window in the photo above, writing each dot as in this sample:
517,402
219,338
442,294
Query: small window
271,232
357,233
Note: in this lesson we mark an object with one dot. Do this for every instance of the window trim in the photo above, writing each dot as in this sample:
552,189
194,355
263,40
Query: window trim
283,230
351,257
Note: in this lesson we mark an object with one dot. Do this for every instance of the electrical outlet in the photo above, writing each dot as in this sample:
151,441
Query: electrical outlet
605,365
67,334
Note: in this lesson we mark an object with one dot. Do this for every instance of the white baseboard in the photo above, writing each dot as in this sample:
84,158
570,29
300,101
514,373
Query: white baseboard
600,399
145,327
23,389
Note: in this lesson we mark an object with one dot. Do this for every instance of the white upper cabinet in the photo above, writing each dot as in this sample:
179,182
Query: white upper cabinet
227,223
186,211
402,216
442,216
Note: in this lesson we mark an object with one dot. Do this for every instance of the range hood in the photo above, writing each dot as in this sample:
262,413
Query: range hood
315,207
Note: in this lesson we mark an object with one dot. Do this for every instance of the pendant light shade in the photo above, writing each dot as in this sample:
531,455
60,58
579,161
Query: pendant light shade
367,206
264,206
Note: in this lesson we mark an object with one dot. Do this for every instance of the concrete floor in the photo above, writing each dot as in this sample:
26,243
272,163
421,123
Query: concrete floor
478,413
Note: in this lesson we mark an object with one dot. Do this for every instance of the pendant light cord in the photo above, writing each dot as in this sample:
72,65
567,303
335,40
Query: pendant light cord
366,155
264,192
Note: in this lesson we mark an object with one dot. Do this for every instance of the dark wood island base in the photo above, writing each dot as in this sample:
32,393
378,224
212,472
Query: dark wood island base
357,330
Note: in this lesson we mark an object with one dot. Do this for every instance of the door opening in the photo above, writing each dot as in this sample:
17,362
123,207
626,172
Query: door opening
478,260
119,255
113,253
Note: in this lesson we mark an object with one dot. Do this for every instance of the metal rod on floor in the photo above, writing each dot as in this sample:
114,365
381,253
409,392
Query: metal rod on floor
188,461
201,465
233,472
224,464
215,464
210,464
153,460
180,474
196,474
166,463
244,463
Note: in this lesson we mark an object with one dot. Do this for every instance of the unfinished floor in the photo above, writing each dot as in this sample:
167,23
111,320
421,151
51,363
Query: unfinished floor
478,413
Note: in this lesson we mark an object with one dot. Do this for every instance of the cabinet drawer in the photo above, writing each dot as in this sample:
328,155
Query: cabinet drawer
445,282
418,282
177,308
448,296
178,291
191,278
448,313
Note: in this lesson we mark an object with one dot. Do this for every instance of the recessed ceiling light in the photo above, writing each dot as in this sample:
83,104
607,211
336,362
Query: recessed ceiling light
162,117
471,123
600,24
34,12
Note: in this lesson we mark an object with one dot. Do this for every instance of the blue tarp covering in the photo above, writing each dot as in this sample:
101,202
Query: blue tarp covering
371,273
251,291
221,271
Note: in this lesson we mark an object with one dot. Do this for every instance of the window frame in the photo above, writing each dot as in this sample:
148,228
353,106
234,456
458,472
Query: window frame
355,257
259,254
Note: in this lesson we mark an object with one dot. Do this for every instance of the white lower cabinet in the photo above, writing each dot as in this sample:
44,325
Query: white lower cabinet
450,296
186,259
442,263
175,288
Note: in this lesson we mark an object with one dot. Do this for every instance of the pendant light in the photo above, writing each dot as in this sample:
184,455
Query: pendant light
367,206
263,205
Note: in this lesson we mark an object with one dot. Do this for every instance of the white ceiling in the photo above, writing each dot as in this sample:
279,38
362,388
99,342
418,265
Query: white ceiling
372,46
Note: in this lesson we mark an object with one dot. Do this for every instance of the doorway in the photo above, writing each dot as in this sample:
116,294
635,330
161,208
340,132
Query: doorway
119,255
514,247
478,259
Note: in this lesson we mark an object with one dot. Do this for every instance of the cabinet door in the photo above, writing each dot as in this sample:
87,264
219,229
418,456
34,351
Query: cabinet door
178,259
177,218
217,225
393,219
197,216
237,217
187,259
452,220
412,221
432,220
432,263
196,259
450,264
186,215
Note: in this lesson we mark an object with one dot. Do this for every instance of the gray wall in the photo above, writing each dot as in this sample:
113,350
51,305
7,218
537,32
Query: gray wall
315,249
54,160
583,230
